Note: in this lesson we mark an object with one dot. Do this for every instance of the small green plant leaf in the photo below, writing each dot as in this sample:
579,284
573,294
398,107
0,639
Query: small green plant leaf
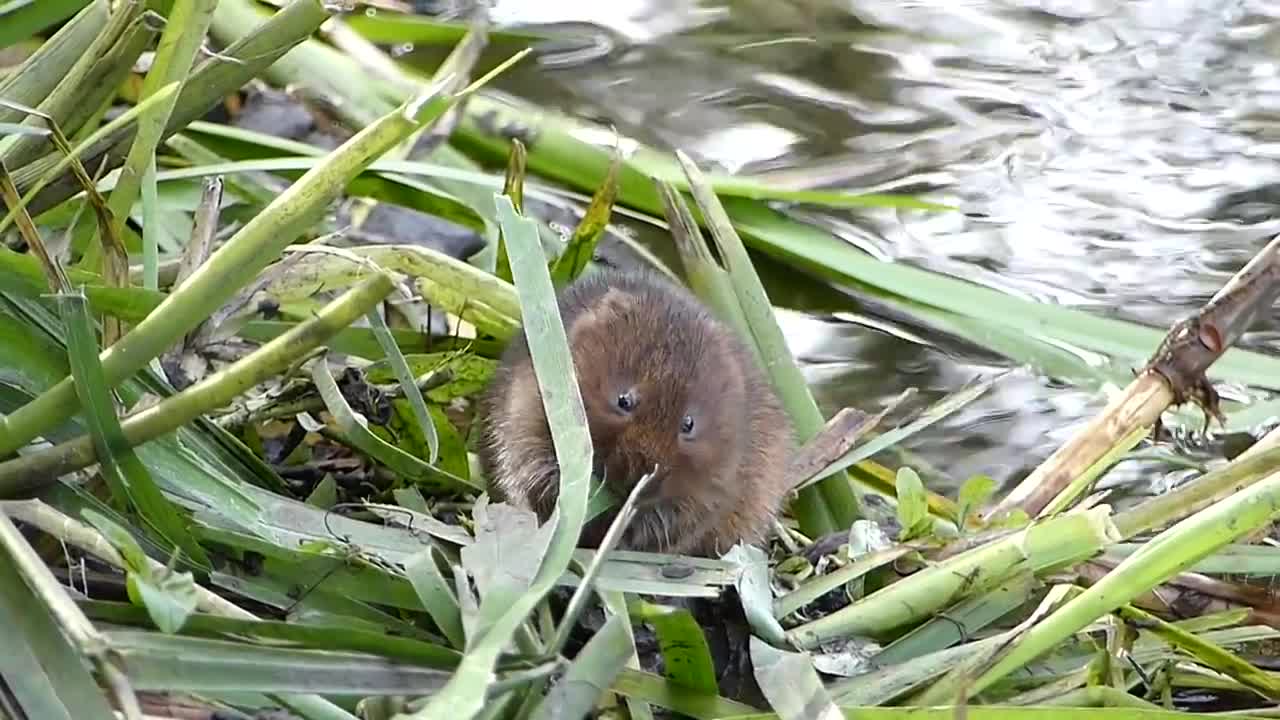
913,505
582,244
169,597
974,493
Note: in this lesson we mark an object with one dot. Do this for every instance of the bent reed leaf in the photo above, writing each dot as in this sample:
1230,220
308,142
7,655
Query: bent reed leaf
464,696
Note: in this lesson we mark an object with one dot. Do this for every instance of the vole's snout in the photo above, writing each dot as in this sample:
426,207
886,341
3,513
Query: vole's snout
651,493
626,467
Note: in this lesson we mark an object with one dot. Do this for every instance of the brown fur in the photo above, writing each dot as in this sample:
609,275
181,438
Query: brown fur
638,331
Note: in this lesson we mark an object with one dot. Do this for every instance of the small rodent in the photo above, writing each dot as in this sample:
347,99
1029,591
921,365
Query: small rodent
663,383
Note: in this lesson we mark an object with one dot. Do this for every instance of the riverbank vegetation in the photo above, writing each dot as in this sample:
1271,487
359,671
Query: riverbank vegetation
236,365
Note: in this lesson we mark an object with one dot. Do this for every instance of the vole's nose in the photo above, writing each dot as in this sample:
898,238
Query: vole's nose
625,473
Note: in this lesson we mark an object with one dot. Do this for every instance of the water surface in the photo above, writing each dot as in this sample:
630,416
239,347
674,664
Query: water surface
1119,157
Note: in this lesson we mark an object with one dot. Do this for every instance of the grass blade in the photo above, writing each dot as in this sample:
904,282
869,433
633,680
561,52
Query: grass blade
939,410
436,596
685,652
128,478
167,663
590,674
150,228
709,281
616,605
831,504
408,385
184,32
317,637
464,696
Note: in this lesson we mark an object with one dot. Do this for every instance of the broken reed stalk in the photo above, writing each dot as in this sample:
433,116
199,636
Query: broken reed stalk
41,467
1174,374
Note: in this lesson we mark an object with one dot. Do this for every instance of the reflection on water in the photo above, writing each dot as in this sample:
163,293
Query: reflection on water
1116,156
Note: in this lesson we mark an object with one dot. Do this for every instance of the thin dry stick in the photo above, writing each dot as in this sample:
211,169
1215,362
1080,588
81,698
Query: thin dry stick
836,438
1174,374
204,227
194,255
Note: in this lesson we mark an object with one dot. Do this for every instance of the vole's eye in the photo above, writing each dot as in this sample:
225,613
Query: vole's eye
626,401
686,424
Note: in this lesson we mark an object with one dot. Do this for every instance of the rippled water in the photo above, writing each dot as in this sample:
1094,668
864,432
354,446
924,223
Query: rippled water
1122,157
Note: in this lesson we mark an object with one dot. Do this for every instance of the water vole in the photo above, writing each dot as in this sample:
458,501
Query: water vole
663,383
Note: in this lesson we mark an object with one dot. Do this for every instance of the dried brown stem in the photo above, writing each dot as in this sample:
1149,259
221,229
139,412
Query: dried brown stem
836,438
204,227
1174,374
